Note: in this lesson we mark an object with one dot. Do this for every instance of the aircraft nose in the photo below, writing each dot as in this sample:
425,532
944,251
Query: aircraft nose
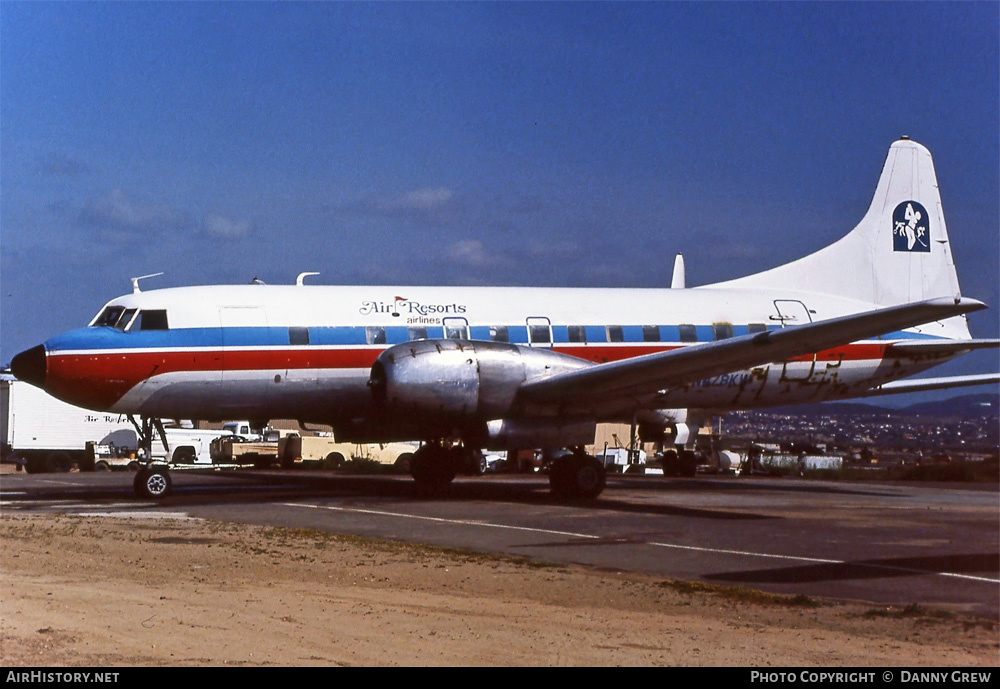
29,366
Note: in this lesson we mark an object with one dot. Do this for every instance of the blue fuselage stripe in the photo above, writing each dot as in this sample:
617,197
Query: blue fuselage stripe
250,336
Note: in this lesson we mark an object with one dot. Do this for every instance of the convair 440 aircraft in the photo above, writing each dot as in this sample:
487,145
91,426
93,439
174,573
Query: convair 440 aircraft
508,368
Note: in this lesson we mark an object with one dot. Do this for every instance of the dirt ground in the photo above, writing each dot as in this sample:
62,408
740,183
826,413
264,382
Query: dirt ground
88,591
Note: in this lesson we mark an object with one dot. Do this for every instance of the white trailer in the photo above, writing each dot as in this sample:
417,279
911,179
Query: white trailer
45,434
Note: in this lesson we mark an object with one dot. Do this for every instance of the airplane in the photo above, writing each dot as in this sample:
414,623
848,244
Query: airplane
507,368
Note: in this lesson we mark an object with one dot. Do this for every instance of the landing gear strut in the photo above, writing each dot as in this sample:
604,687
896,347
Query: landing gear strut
152,481
577,476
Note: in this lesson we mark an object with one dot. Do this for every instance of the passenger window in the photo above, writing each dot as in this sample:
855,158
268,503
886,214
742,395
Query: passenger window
418,333
298,336
756,328
375,335
577,333
650,333
688,333
722,331
499,333
153,320
616,333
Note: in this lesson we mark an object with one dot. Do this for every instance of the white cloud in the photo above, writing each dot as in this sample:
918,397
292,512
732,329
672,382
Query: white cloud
557,249
117,210
219,226
473,252
469,252
422,199
427,206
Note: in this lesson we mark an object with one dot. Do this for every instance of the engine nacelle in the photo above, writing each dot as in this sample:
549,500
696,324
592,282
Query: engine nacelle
448,384
516,434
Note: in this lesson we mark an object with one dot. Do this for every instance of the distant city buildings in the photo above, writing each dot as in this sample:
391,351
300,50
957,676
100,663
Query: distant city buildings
899,434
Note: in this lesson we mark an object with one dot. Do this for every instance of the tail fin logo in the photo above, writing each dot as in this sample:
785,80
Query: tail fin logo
910,228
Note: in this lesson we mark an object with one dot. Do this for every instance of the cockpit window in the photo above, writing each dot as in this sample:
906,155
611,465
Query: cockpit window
126,319
115,317
153,320
109,316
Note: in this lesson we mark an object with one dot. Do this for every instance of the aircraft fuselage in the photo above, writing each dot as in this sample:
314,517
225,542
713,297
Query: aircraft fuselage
306,352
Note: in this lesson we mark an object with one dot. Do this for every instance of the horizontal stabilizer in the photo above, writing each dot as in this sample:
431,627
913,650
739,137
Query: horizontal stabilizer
951,347
653,372
921,385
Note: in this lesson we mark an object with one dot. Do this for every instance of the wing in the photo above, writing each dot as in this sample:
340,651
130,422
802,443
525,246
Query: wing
649,374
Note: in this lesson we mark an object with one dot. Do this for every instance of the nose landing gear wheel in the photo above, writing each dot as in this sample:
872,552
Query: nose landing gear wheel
152,483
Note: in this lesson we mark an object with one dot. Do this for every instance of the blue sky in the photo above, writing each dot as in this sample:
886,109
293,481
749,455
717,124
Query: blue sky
473,143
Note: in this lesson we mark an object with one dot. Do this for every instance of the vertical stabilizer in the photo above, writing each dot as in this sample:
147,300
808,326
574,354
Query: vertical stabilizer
898,253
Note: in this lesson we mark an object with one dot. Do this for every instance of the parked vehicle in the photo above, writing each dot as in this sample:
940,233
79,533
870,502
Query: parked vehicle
44,434
295,450
184,447
260,450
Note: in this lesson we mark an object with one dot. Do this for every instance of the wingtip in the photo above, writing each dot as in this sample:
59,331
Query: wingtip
970,304
959,304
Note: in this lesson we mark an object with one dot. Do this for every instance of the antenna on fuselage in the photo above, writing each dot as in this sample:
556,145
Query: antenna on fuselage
677,282
135,281
300,280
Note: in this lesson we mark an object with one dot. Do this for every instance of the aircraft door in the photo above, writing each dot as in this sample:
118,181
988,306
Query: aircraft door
539,332
792,312
456,328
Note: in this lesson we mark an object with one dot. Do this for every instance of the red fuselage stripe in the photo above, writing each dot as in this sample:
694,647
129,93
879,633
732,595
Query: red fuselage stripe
107,376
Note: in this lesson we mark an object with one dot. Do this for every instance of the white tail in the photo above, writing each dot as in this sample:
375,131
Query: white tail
898,253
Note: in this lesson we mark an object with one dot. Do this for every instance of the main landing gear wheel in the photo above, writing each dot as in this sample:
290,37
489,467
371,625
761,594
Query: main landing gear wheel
670,463
152,483
683,464
687,464
577,477
433,467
